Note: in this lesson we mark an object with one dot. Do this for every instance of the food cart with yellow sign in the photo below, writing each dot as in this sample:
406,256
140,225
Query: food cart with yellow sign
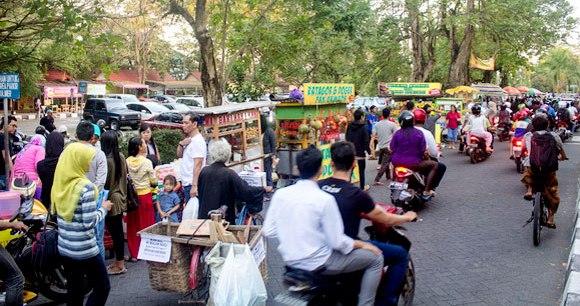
319,119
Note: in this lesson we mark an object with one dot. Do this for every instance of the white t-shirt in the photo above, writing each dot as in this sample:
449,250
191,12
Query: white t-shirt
573,111
431,143
478,124
196,149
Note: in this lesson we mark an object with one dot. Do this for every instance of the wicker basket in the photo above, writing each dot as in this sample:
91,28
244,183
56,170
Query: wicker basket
174,275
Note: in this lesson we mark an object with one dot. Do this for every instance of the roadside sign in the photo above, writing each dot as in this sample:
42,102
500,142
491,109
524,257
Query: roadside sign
10,85
83,87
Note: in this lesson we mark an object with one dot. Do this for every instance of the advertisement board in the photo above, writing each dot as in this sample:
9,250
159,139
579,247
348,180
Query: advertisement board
328,93
410,89
327,168
51,92
10,85
96,89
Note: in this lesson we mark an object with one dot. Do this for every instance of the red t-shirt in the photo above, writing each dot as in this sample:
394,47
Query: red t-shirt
453,118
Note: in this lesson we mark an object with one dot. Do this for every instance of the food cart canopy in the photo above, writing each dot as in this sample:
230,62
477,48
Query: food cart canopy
512,91
487,89
523,89
534,92
230,108
461,89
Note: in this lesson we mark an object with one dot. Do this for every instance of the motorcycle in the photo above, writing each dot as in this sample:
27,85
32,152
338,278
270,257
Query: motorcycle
503,131
52,283
407,188
518,153
477,149
562,131
312,288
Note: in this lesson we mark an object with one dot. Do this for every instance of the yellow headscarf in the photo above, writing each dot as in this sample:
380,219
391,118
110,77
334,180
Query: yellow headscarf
70,180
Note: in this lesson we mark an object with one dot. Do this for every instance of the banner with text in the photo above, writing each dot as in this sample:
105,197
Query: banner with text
483,64
10,85
328,93
327,168
410,89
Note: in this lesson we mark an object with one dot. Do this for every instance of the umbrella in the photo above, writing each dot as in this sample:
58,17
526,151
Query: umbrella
523,88
461,89
534,92
512,91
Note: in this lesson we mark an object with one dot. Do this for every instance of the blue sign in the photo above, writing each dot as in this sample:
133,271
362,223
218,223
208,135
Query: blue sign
83,87
10,85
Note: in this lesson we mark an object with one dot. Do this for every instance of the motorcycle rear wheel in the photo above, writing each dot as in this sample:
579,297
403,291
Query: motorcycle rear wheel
473,157
519,166
408,289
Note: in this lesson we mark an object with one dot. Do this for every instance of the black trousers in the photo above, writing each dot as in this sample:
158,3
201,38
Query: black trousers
115,227
96,275
362,164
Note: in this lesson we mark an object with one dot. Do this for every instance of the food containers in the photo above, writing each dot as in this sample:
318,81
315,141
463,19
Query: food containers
9,203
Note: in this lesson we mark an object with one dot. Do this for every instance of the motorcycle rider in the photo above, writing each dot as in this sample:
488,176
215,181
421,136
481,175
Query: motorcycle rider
409,149
564,115
540,126
432,148
573,113
520,128
307,223
9,271
352,202
478,125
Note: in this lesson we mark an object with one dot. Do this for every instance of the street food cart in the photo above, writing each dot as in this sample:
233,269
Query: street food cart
239,125
420,93
319,119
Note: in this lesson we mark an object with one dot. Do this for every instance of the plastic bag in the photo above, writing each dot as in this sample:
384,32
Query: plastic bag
240,282
190,210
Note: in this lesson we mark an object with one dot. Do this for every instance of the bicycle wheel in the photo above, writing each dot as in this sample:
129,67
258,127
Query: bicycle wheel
257,220
537,223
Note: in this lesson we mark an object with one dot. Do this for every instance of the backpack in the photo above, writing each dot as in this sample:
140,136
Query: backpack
45,255
543,153
563,114
132,197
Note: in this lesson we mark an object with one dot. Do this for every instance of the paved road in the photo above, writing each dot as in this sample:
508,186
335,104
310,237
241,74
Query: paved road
469,248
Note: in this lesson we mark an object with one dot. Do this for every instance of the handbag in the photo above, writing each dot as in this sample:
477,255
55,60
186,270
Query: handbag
132,197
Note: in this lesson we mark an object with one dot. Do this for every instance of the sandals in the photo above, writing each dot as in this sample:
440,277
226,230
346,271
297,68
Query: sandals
131,259
528,197
428,196
377,183
551,225
117,272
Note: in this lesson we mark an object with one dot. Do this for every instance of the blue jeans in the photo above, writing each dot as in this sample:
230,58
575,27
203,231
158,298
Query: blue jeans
452,134
3,182
12,277
187,189
397,259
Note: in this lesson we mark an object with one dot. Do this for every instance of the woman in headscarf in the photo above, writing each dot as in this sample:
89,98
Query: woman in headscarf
140,170
28,158
47,166
117,186
74,200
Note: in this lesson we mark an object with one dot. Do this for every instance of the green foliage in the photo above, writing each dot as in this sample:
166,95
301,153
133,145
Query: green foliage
557,70
166,141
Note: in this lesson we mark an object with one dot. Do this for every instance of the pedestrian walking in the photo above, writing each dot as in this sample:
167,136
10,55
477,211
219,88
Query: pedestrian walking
452,118
152,151
193,149
140,170
74,202
117,185
431,119
383,132
358,134
47,166
38,105
372,118
269,147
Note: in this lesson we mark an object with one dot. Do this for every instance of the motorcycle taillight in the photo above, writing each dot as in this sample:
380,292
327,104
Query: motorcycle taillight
517,142
402,172
473,139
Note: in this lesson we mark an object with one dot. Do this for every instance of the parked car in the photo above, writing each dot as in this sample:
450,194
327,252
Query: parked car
177,107
167,120
147,109
125,97
192,101
113,111
165,98
365,103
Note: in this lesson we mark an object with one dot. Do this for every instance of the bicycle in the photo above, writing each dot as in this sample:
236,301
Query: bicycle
245,216
539,217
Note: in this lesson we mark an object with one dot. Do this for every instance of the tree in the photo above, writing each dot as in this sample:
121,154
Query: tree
559,68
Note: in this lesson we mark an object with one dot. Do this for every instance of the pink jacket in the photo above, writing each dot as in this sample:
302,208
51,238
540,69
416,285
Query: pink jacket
26,162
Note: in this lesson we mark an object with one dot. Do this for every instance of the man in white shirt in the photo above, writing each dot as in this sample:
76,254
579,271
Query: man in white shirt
308,225
432,147
193,149
383,131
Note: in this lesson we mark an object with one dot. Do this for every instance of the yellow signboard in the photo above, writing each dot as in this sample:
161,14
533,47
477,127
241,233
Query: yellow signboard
410,89
478,63
327,168
328,93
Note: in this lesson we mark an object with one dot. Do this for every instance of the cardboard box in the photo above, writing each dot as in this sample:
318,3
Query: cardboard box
254,178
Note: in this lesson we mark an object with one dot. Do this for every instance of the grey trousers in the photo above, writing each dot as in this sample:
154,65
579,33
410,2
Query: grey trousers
356,260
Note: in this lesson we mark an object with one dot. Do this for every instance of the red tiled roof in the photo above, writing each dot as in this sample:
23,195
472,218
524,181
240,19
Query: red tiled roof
127,75
53,75
194,74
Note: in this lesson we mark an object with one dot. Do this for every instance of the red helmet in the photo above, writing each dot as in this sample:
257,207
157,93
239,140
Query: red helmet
420,115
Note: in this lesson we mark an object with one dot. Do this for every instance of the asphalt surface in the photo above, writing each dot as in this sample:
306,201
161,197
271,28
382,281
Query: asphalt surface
468,248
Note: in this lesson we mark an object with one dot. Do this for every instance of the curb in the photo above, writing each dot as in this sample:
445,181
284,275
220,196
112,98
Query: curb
571,294
56,115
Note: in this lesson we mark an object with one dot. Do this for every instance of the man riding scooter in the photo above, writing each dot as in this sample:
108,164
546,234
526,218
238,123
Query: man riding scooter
432,148
352,202
478,125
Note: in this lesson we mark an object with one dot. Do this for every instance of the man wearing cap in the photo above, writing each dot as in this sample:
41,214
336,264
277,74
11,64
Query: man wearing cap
48,121
89,134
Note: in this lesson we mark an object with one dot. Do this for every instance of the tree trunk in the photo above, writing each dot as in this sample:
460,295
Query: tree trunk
459,69
487,76
210,80
416,40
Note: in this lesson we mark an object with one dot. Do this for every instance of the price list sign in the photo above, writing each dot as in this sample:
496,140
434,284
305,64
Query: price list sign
10,86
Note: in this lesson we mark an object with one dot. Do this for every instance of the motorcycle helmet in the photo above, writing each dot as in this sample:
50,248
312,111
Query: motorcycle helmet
41,130
406,119
541,111
23,185
420,115
476,109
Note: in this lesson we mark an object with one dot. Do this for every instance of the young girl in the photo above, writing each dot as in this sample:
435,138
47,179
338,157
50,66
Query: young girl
168,201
